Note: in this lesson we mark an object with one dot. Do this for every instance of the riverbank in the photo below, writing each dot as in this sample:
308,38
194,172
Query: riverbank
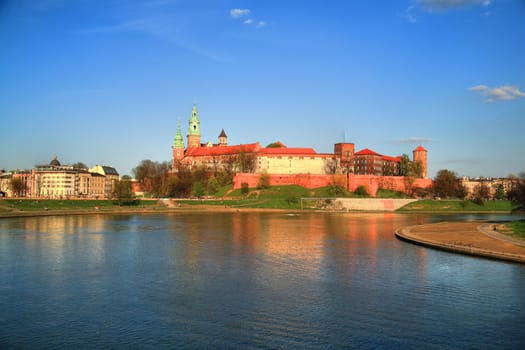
133,210
471,238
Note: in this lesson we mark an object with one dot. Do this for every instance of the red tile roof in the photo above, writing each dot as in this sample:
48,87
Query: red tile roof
366,152
221,151
420,148
393,159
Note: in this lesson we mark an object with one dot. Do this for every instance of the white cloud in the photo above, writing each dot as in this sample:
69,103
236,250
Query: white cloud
443,5
238,13
413,139
501,93
409,14
245,13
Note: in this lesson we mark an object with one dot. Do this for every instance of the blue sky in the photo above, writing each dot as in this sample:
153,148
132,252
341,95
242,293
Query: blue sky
107,82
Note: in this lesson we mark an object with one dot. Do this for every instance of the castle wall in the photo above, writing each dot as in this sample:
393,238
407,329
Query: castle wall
371,182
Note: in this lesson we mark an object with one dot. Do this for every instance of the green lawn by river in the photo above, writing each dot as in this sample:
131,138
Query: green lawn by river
458,206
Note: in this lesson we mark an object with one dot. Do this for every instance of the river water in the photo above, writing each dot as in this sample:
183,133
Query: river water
249,281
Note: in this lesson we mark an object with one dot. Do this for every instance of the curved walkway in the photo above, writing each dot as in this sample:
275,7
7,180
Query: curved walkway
471,238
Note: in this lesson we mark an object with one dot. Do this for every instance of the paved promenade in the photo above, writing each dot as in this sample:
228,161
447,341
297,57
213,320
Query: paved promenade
472,238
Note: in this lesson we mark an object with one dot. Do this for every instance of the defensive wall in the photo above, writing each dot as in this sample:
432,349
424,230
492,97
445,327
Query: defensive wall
351,182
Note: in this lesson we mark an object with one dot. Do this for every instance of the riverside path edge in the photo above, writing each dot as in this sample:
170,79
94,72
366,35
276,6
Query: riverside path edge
478,239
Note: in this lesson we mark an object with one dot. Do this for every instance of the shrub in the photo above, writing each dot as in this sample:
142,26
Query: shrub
264,181
292,200
245,188
361,191
478,201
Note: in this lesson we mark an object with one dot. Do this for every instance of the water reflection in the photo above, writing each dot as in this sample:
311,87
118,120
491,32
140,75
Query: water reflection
239,280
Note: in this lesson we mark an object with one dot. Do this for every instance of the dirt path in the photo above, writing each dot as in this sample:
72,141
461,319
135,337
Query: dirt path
472,238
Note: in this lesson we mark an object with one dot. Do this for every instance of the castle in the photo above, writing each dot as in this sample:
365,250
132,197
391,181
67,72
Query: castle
289,165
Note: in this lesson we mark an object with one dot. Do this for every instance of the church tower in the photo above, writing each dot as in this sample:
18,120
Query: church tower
178,147
223,139
420,154
194,130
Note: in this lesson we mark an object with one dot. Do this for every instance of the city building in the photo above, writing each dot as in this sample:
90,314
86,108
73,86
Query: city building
495,186
55,180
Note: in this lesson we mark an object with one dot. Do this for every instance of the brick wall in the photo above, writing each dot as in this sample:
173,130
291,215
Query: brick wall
371,182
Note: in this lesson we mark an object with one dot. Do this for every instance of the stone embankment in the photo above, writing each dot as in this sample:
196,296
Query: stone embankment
371,204
471,238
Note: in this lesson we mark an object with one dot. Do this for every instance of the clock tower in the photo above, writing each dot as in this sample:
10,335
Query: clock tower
194,130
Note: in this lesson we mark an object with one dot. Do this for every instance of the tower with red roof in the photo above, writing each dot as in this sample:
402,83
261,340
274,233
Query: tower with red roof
419,154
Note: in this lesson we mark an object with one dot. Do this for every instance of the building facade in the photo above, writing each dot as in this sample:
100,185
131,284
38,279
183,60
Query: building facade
280,159
56,181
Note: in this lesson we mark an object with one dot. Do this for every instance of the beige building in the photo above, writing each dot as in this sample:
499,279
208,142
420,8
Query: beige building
284,160
110,176
58,181
492,184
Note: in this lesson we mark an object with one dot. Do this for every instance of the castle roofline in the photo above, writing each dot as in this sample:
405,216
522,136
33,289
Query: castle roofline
420,149
222,151
288,151
366,152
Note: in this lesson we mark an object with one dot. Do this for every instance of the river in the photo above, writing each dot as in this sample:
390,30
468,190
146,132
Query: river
249,281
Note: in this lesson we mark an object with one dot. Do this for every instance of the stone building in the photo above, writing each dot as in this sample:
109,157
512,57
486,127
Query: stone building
280,160
55,180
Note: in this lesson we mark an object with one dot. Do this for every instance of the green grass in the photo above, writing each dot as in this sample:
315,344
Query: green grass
390,194
276,197
517,227
7,205
457,206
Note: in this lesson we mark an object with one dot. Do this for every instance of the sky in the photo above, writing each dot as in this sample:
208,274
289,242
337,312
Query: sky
108,82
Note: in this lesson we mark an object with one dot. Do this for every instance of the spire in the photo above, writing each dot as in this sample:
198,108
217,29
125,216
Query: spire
178,141
223,139
194,124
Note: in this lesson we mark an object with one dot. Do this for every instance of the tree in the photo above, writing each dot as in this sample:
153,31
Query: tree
245,162
417,169
500,192
179,185
404,165
153,176
245,188
213,185
264,180
18,186
446,184
122,193
361,191
410,168
275,145
481,192
198,189
517,192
